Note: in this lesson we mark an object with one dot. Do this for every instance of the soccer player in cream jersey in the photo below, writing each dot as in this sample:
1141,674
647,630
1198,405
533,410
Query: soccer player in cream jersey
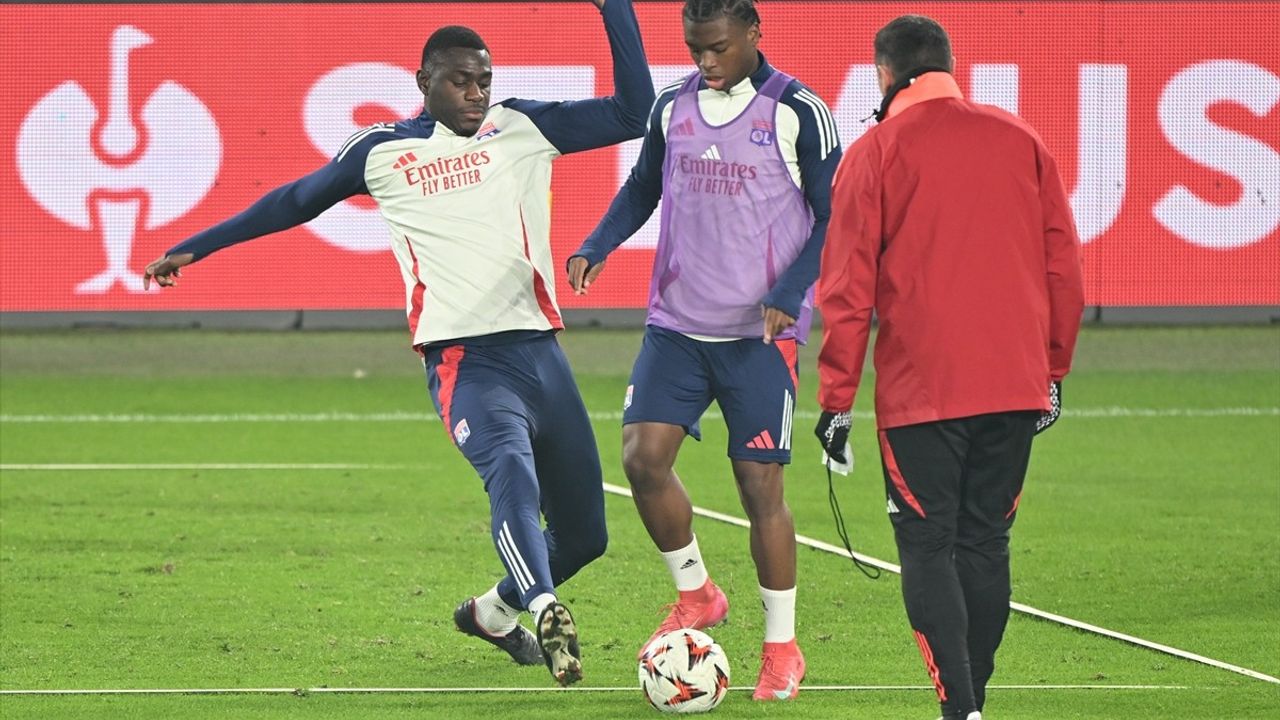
464,188
741,156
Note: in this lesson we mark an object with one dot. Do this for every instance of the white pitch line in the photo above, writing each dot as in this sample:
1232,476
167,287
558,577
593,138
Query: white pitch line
197,466
998,687
1127,412
158,691
553,689
704,512
1087,413
745,688
1018,607
1027,609
323,417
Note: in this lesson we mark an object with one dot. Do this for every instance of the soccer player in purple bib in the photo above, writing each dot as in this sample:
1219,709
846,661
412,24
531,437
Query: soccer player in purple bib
464,188
741,156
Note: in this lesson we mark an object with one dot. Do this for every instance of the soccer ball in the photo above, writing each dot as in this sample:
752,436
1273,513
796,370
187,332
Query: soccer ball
684,671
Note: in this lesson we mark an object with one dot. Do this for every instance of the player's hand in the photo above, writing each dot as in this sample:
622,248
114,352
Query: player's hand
1055,407
833,435
598,3
581,276
165,270
775,322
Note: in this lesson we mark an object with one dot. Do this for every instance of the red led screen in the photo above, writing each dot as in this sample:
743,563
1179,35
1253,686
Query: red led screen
128,127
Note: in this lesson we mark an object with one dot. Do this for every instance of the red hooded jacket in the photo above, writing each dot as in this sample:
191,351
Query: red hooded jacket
949,219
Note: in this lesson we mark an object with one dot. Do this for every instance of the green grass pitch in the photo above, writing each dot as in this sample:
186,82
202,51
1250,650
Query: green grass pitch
1152,508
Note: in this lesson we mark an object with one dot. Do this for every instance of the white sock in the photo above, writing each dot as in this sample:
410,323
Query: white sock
686,566
494,615
779,614
537,604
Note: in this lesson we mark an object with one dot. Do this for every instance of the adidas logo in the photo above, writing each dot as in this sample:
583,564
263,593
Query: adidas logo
404,160
712,153
893,508
688,564
763,441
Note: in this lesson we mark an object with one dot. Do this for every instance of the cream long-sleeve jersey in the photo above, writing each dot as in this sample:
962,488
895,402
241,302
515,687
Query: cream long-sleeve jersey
469,217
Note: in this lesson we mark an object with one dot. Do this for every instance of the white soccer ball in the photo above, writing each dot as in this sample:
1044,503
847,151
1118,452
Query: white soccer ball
684,671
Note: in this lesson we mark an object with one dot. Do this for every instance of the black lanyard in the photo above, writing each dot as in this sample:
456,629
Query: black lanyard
901,84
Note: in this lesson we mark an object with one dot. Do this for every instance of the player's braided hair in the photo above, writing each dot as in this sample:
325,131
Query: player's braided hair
699,11
448,38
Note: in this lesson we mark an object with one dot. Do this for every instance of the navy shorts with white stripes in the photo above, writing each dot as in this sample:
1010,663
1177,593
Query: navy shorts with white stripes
676,378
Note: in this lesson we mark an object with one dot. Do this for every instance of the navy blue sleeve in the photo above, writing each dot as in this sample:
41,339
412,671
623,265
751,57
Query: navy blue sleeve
574,126
818,155
292,204
639,196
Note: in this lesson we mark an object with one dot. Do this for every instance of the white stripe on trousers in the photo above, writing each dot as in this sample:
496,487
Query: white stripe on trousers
506,558
519,570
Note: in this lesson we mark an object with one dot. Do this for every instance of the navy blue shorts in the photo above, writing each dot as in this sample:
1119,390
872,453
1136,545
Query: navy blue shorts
675,378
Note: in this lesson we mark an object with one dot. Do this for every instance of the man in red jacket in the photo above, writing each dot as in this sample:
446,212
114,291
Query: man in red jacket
949,219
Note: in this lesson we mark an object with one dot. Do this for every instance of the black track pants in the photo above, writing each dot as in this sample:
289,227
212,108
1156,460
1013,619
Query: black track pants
953,488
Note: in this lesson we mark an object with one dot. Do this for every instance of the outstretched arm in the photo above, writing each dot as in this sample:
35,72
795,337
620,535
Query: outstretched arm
579,125
630,209
285,207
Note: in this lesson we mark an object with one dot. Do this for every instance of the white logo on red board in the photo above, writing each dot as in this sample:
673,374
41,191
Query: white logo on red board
132,177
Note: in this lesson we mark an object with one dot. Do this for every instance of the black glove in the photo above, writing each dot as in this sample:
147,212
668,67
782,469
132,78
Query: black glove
833,433
1055,407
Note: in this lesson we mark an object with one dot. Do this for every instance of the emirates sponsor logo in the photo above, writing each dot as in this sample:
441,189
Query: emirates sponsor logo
448,173
712,175
710,165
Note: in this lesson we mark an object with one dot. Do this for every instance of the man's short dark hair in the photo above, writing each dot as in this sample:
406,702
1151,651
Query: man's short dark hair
700,11
448,38
910,42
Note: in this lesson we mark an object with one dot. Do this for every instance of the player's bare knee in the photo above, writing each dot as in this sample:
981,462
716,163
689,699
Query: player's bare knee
649,453
763,501
646,470
760,486
766,512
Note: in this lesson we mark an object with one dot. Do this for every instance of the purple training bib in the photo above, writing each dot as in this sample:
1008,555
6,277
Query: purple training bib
733,219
